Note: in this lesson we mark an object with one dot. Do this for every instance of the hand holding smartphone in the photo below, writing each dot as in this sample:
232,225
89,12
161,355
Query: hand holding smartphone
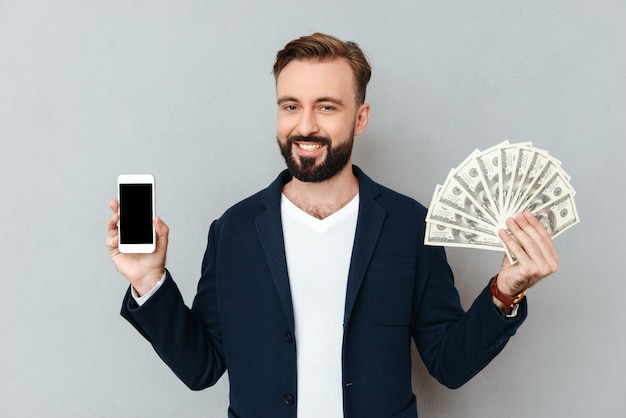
136,195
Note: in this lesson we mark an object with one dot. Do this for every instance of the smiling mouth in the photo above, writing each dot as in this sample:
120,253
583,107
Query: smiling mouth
308,146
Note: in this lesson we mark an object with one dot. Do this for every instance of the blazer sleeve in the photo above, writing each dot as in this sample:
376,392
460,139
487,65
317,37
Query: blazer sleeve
455,345
188,340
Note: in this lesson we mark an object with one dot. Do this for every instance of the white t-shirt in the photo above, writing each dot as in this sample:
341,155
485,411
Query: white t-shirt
318,259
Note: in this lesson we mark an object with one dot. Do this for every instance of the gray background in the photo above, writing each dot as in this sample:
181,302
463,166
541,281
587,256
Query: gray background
92,89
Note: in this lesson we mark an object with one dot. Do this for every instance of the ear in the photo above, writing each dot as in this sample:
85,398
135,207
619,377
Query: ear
362,118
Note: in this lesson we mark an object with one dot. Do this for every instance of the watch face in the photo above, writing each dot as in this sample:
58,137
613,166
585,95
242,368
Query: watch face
519,297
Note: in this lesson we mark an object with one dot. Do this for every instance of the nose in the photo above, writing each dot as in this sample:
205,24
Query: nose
307,124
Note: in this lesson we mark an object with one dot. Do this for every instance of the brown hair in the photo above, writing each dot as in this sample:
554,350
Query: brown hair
321,47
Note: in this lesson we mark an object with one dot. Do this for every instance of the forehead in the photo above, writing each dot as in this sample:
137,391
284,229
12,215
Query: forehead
307,78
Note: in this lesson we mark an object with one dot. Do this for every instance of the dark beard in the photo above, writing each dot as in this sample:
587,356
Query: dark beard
304,169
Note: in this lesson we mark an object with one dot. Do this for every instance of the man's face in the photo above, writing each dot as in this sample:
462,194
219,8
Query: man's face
318,118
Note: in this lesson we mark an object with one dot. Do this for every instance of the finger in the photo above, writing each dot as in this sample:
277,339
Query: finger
161,227
522,244
534,252
546,243
537,242
162,232
530,239
114,219
111,242
512,242
114,205
112,224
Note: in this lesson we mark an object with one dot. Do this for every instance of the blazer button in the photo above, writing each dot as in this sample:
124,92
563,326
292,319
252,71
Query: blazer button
289,399
288,337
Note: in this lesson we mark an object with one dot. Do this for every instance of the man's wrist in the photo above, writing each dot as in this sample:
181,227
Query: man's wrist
147,288
507,304
147,283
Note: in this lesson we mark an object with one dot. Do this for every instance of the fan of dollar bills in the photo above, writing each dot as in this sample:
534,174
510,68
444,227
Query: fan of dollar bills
492,185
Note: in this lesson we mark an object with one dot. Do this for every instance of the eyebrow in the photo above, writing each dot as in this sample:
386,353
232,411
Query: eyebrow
330,99
284,99
320,100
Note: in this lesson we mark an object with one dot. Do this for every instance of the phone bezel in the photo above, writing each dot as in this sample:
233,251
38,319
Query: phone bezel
136,179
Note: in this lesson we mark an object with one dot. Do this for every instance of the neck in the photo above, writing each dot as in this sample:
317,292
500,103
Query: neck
324,198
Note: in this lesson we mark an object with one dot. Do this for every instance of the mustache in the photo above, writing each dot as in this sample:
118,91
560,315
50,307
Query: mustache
317,139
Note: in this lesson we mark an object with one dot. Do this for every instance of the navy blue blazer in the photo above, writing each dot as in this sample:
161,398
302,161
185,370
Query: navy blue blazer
398,289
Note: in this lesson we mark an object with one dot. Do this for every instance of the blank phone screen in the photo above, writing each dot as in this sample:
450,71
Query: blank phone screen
135,213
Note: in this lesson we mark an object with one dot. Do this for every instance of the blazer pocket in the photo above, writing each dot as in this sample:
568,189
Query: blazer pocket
390,289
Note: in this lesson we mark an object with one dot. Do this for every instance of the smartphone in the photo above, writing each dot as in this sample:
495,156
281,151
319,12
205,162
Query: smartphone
137,210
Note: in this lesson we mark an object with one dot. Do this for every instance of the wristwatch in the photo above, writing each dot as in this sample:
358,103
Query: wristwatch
508,301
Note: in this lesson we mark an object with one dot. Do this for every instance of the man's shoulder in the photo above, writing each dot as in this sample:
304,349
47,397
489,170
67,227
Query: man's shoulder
250,204
392,195
388,198
400,205
257,203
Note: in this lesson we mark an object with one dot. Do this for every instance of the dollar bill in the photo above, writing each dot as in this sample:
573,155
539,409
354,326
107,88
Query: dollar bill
550,187
489,186
525,160
509,155
454,195
469,175
558,215
489,163
439,234
443,214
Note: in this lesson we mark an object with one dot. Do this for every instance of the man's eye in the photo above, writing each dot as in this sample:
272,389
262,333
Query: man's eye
290,108
328,108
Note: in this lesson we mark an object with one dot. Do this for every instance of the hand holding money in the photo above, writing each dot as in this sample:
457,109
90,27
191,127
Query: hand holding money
489,187
534,253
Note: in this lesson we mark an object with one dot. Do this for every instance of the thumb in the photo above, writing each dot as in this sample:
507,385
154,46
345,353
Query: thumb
162,234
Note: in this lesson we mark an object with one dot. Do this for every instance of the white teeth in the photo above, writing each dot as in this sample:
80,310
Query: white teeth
310,147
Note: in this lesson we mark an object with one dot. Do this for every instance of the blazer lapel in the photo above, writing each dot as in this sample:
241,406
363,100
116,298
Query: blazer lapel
270,231
369,224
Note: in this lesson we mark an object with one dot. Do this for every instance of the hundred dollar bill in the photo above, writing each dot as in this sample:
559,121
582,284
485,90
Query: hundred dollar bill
554,188
437,234
509,154
519,184
489,163
454,195
558,215
469,175
541,173
442,214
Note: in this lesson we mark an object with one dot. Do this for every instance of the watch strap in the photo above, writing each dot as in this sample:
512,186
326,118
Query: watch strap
509,301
